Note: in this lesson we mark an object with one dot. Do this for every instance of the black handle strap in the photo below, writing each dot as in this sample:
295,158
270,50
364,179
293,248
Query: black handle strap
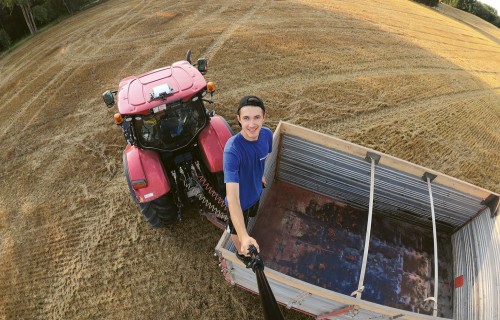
267,299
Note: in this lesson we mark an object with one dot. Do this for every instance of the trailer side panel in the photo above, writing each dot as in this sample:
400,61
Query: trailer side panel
476,252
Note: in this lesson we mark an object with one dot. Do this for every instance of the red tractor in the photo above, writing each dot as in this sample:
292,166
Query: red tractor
175,144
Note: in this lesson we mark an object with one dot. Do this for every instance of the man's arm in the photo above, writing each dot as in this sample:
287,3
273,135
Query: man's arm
234,205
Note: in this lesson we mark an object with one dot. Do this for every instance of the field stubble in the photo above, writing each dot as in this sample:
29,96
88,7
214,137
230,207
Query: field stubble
391,75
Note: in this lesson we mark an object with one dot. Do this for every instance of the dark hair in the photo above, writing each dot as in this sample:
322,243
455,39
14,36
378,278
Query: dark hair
251,101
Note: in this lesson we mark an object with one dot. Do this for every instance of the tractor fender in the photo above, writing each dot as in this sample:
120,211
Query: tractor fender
212,141
145,165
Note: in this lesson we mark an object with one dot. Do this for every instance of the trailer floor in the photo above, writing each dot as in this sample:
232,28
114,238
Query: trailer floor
321,240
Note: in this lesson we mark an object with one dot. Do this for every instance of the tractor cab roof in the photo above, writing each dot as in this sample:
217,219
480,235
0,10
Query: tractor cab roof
139,94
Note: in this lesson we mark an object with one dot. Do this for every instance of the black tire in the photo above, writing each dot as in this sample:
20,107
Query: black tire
161,212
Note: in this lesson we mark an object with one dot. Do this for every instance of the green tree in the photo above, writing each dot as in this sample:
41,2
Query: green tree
485,12
489,8
477,8
72,5
25,6
430,3
497,21
68,6
466,5
40,13
4,39
50,8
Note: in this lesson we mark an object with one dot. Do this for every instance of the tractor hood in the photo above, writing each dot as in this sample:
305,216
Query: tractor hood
182,81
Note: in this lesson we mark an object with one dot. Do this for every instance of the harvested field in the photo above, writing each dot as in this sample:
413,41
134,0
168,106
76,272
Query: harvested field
414,82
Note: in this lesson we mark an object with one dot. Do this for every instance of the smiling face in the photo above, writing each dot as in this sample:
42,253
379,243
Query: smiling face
251,119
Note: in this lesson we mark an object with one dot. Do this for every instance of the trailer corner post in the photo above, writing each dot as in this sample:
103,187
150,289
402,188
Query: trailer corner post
374,159
429,177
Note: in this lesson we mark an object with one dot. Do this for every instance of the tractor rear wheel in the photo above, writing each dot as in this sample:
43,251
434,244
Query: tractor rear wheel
160,212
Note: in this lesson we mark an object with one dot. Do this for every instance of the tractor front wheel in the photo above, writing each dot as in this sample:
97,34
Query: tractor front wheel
160,212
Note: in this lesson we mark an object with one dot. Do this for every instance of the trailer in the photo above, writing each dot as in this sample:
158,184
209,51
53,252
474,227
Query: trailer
347,232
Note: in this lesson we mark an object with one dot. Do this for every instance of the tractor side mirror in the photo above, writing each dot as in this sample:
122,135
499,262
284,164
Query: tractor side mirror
109,98
202,65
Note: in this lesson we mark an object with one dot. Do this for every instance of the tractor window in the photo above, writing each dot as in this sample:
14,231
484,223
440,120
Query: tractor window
172,128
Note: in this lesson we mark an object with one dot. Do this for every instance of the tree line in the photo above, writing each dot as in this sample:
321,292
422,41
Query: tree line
21,18
482,10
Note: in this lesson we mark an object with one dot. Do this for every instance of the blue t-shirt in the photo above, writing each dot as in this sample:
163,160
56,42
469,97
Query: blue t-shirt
244,163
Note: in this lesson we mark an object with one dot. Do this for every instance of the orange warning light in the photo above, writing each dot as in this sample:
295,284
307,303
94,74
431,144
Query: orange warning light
118,118
210,87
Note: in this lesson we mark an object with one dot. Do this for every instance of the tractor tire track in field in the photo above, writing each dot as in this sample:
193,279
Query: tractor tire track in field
68,35
27,58
67,286
392,112
198,24
118,39
226,34
433,23
489,35
327,77
92,47
144,42
31,62
196,20
43,49
82,48
429,105
33,99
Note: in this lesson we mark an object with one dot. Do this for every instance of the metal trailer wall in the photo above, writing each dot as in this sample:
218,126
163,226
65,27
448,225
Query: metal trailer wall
344,176
476,255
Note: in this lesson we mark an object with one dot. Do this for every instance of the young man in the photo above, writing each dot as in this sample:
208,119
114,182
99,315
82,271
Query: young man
244,159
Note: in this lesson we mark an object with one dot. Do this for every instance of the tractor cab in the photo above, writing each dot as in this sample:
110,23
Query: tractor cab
170,126
163,109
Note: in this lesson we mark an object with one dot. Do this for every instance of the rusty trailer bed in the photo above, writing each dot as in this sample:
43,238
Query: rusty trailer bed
320,241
